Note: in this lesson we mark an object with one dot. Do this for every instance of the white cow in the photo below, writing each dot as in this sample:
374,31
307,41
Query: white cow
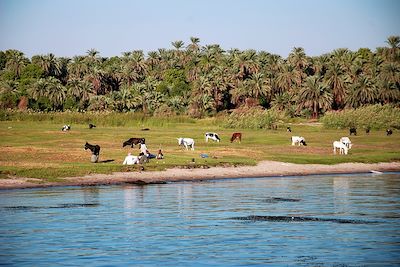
299,140
186,142
346,141
212,136
343,149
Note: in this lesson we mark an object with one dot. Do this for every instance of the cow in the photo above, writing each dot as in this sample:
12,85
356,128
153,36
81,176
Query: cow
91,125
186,142
389,132
212,136
367,130
299,140
66,128
343,149
133,141
353,130
346,141
95,151
236,136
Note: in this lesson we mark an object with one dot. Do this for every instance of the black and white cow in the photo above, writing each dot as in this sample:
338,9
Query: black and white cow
134,141
389,132
212,136
66,128
91,125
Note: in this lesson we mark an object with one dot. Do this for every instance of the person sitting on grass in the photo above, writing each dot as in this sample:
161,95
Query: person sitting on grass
130,160
145,151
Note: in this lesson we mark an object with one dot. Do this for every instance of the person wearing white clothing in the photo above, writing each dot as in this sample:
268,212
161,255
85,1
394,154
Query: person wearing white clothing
130,160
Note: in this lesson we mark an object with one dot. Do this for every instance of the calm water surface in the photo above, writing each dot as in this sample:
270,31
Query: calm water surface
206,223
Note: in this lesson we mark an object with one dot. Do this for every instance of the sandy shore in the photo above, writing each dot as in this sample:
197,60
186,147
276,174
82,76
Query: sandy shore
264,168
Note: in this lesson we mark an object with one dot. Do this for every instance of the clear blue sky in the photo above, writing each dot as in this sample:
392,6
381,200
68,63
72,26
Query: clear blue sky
69,28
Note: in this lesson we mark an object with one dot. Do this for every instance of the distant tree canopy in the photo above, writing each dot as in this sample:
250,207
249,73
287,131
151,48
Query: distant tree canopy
202,80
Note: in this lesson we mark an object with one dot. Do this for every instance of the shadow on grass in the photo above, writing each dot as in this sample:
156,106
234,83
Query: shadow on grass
105,161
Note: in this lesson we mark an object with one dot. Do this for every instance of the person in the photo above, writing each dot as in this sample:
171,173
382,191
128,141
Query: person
130,160
145,151
143,158
160,155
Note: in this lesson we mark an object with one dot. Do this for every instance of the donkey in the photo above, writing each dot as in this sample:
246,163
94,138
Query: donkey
94,148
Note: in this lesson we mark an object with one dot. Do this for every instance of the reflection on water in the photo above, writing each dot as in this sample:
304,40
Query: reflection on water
322,220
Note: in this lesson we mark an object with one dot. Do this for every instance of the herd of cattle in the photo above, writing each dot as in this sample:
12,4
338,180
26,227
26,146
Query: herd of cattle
343,145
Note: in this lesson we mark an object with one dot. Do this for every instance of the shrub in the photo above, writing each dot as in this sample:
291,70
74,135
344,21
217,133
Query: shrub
373,116
253,118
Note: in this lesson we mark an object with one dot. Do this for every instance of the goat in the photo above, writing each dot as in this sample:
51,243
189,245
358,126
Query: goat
343,149
299,140
288,129
346,141
186,142
236,136
212,136
134,141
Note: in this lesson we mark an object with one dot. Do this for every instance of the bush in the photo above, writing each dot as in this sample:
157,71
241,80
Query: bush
373,116
104,118
253,118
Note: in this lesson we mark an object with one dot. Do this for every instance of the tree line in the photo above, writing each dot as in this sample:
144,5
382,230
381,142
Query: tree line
202,80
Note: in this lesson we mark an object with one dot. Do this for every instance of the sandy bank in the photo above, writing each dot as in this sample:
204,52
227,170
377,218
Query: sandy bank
263,168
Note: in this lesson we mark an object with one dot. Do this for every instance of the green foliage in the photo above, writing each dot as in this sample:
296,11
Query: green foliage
374,117
253,118
105,118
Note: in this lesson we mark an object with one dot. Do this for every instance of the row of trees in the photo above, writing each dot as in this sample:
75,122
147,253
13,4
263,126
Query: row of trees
200,80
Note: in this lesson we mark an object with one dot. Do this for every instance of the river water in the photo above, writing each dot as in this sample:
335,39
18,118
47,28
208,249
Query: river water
320,220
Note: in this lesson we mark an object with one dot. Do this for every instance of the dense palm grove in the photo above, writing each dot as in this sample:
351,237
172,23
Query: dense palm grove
202,80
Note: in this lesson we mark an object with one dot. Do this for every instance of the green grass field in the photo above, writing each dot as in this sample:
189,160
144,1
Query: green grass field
42,150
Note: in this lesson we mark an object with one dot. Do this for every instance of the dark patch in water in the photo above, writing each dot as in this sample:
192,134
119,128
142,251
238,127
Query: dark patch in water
60,206
298,219
281,199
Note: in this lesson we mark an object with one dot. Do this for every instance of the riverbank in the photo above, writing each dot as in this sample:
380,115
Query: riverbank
262,169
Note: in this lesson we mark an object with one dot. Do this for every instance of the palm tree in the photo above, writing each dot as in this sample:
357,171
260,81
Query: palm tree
81,90
315,96
56,92
337,80
362,92
15,61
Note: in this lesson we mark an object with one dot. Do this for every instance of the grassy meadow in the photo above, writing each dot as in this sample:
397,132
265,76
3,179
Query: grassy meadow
39,149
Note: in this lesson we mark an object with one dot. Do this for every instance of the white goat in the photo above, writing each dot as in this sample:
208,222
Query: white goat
343,149
186,142
298,140
346,141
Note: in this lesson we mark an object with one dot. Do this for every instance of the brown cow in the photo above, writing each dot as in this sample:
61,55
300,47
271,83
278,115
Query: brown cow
236,136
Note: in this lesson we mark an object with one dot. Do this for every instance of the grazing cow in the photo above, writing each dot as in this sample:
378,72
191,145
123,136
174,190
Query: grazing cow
299,140
236,136
288,129
95,151
346,141
389,132
353,130
343,149
66,128
134,141
91,126
212,136
186,142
